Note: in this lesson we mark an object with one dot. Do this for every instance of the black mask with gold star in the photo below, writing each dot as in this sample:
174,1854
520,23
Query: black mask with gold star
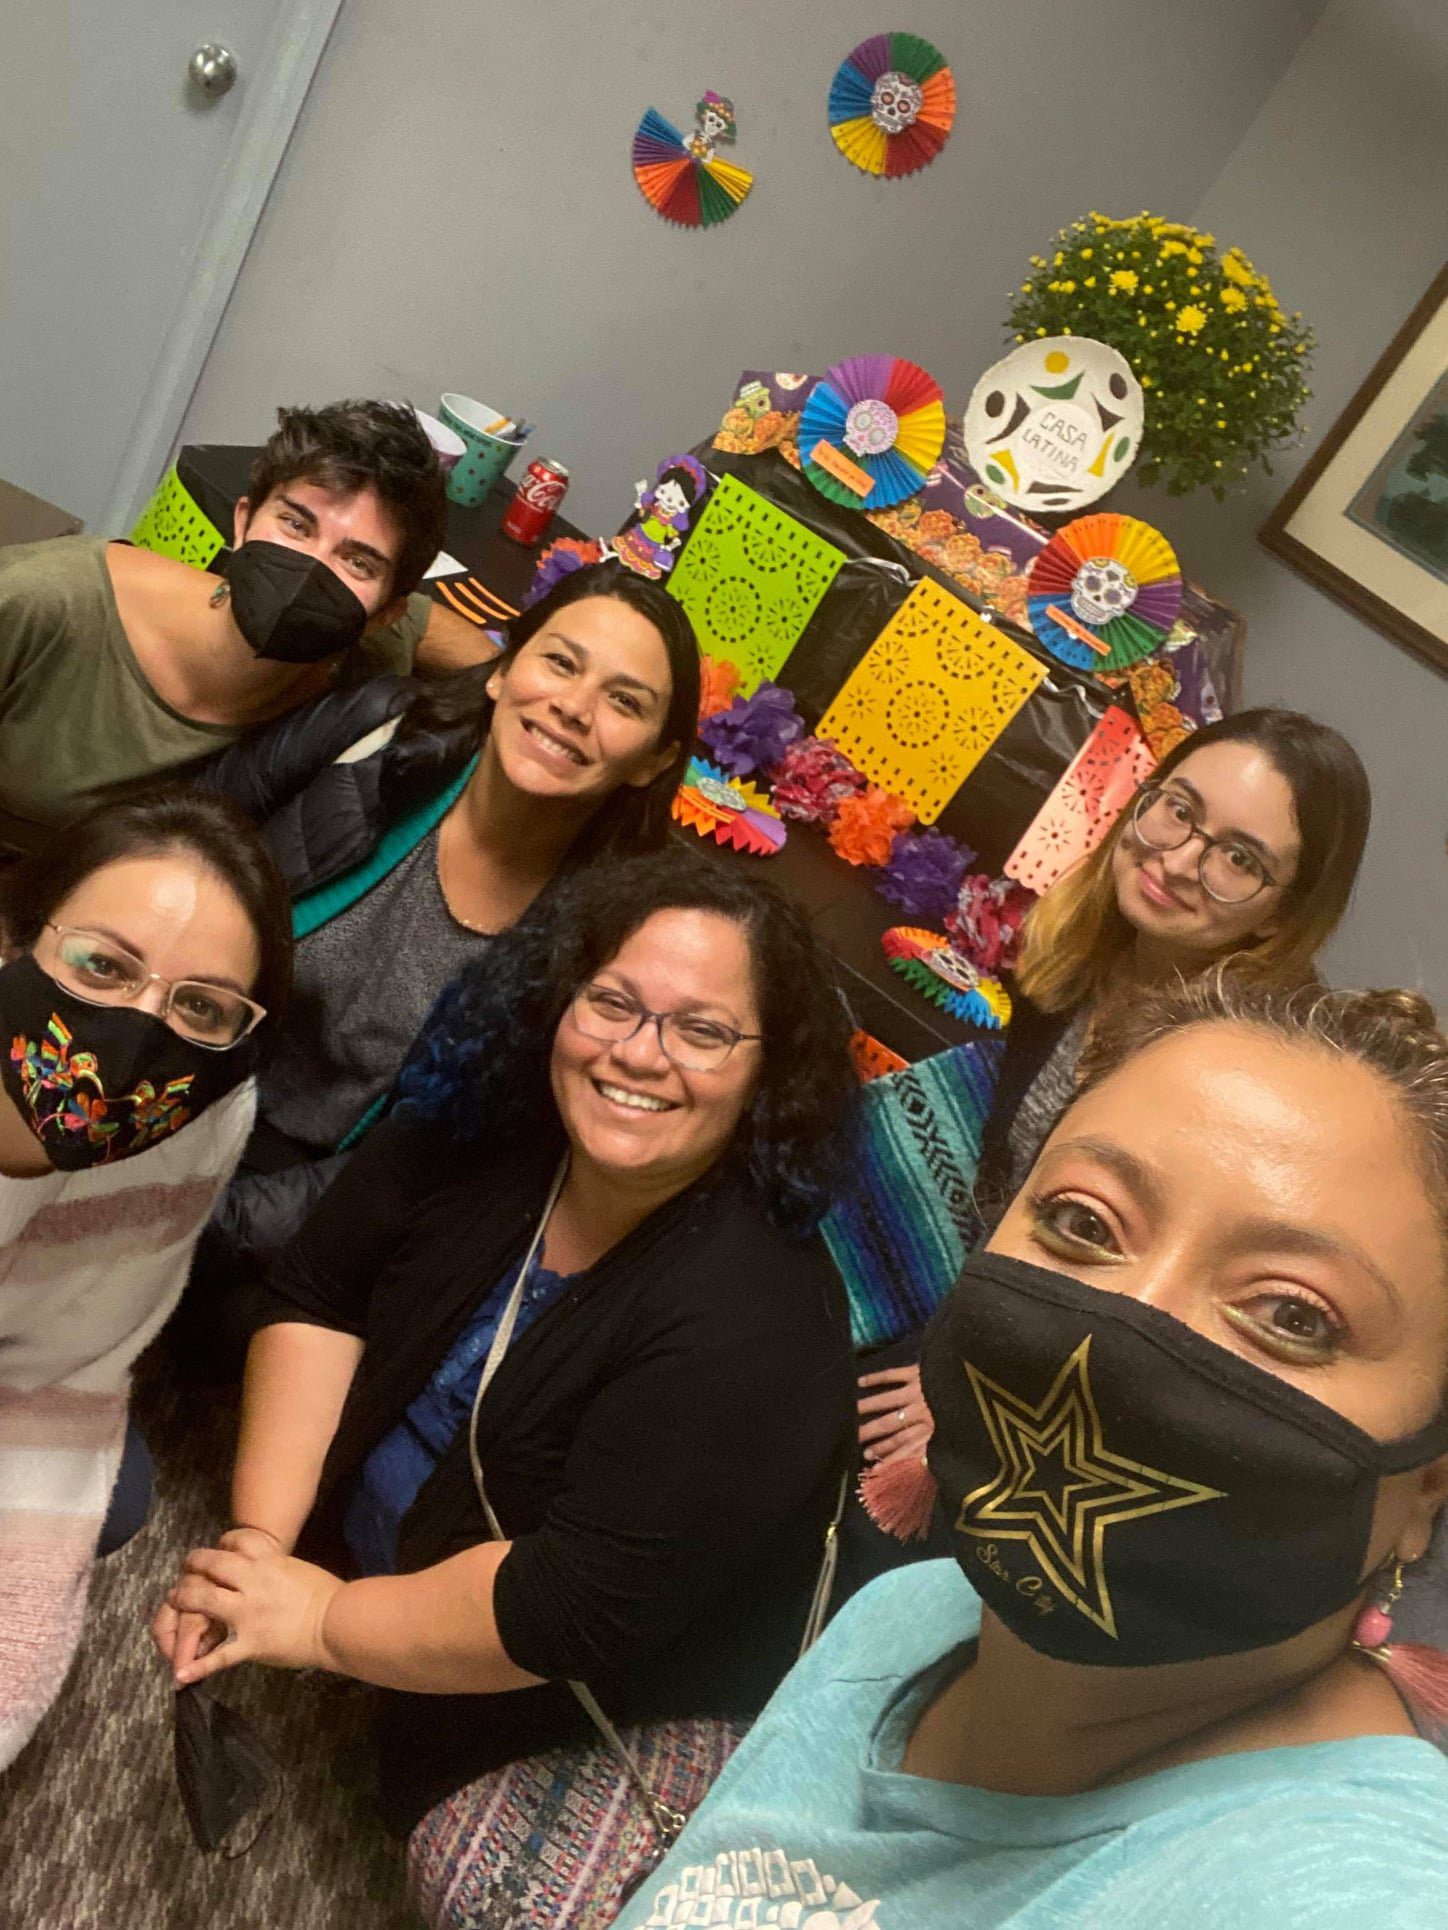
1125,1491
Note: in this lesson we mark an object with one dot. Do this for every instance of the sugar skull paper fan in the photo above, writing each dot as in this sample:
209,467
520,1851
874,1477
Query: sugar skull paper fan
927,961
728,810
684,179
872,430
1055,423
1104,592
892,104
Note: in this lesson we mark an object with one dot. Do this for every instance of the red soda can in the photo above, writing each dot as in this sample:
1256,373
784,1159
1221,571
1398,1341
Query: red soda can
542,489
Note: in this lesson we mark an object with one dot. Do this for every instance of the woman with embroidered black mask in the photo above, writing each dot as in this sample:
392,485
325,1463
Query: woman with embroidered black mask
145,951
1190,1437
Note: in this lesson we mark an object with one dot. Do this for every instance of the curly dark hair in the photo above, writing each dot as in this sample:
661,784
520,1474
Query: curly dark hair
480,1065
635,818
349,446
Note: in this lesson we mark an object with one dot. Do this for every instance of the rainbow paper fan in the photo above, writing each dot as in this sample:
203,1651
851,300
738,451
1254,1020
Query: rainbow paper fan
872,430
727,810
1104,592
927,961
892,104
683,179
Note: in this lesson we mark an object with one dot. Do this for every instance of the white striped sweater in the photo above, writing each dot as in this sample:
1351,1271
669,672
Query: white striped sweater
91,1265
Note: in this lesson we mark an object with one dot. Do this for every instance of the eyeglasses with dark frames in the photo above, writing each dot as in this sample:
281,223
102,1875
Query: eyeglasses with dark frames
690,1041
1230,871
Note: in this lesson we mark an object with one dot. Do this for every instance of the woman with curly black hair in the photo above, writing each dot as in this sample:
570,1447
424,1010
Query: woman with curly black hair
645,1090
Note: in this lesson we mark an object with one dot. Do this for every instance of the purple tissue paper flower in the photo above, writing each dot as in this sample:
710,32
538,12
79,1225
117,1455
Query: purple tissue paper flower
924,874
755,732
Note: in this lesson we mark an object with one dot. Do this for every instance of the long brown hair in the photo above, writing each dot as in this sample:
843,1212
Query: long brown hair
1075,936
634,818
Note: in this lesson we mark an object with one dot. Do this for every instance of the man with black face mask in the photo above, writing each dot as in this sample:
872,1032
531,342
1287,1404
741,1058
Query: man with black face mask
119,666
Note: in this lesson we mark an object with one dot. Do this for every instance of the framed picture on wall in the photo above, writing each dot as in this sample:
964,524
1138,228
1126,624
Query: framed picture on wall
1367,520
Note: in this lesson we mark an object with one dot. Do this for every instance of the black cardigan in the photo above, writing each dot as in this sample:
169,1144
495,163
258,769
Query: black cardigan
663,1445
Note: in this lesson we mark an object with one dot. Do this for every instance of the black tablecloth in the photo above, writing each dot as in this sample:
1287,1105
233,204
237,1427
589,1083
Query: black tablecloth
846,911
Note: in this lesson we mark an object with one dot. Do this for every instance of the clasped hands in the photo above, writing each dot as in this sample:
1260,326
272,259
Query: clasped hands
246,1600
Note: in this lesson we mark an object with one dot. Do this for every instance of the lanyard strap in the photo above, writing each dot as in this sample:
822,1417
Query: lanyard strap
667,1822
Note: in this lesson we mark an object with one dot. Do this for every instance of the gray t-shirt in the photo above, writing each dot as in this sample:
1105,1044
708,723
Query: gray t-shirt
365,981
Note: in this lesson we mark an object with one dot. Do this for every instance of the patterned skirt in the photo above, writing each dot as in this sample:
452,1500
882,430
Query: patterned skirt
558,1841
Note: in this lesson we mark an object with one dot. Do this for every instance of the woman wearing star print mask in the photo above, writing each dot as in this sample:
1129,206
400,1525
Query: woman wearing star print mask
1241,848
1190,1438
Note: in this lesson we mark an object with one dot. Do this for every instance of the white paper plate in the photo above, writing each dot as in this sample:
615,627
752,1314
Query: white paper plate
1054,424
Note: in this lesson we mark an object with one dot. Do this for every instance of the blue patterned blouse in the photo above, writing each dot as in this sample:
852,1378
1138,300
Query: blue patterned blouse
395,1471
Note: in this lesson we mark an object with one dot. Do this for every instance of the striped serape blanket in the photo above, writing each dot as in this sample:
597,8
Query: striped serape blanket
908,1218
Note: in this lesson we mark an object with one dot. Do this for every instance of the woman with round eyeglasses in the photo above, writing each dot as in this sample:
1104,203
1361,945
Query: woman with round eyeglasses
1241,850
142,950
580,1262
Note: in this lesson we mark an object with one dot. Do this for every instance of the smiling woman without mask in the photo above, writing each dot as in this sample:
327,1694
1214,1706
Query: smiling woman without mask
1242,849
653,1068
146,953
1191,1431
454,804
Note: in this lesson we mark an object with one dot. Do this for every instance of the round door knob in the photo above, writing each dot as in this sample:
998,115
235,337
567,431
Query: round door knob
213,69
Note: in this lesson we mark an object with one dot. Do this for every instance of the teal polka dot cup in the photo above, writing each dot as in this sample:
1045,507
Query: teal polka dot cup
485,458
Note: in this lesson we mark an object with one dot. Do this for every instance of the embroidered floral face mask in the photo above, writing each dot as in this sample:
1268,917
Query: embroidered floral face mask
98,1083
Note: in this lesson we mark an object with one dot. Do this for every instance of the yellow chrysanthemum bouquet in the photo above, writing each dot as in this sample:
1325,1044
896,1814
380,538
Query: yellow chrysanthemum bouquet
1223,367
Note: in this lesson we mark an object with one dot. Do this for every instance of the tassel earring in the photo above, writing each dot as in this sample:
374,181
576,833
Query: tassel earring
1418,1673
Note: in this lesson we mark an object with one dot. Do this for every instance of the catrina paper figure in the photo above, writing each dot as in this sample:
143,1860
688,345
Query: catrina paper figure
666,511
684,179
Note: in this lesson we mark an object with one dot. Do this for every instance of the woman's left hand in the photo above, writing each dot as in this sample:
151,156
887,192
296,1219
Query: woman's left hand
273,1604
894,1419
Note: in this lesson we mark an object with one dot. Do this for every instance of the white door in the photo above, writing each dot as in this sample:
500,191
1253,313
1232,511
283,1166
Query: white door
127,198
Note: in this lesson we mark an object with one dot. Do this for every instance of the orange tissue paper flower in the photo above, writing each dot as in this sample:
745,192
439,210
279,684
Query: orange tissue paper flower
866,826
718,683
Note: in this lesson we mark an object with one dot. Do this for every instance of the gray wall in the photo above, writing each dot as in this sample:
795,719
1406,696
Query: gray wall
1339,190
457,211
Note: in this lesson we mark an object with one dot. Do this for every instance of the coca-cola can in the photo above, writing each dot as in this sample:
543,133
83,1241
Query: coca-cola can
542,489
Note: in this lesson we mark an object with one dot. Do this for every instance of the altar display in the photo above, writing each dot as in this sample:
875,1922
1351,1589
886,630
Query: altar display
940,698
